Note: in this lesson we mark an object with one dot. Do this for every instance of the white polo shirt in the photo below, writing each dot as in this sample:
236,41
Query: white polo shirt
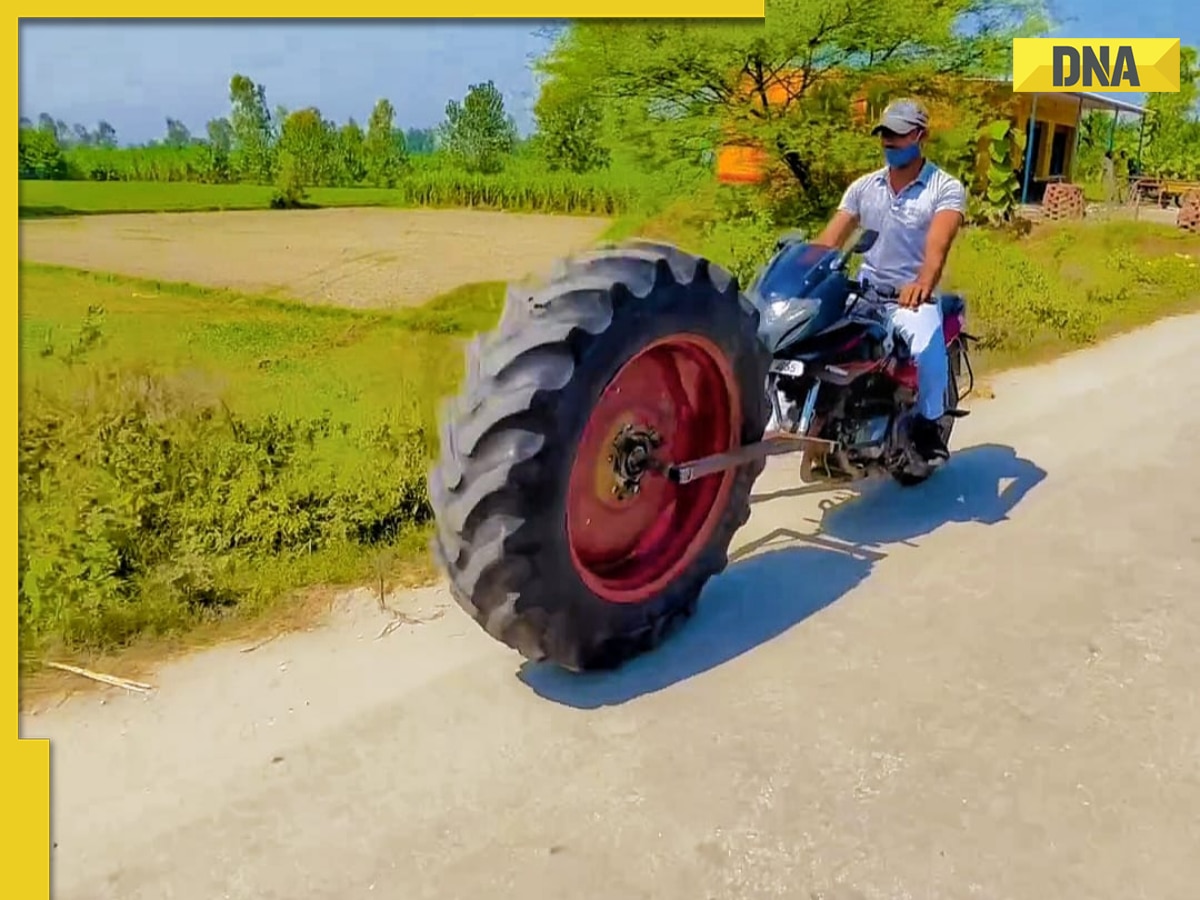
902,220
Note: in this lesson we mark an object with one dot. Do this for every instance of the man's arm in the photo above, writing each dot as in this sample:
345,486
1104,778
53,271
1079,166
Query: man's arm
845,220
942,231
839,229
950,209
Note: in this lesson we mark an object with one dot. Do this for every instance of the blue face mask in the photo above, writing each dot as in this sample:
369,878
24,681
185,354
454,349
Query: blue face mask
898,157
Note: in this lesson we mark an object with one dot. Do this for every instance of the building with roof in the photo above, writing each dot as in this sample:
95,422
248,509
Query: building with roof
1052,146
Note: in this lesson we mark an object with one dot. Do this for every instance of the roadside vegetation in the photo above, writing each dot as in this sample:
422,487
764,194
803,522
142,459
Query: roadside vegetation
192,456
187,454
523,188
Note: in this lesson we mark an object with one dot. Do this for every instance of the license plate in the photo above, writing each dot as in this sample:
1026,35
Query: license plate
790,367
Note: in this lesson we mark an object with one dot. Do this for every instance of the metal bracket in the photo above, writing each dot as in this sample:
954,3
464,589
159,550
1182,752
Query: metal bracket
773,444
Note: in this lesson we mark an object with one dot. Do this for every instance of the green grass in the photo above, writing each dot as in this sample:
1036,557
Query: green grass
191,456
524,191
42,199
1068,285
188,455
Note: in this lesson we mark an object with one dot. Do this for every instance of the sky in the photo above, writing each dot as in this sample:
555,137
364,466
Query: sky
135,74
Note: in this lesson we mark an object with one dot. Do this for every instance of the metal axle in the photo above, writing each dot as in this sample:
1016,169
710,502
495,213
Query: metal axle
773,444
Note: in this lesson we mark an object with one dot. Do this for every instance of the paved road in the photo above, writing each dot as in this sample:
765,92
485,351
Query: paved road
982,688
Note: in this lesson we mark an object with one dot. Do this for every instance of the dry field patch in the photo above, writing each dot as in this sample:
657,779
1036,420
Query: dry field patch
364,258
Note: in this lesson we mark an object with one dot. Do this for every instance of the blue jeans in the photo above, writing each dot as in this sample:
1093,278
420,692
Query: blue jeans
921,329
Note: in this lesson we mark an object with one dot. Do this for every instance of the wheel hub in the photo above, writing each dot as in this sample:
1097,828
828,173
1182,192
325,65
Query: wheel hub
630,535
632,457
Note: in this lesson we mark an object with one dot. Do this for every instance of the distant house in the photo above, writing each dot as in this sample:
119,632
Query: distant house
1050,152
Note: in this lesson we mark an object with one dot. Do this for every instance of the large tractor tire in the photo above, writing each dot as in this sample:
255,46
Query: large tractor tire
544,545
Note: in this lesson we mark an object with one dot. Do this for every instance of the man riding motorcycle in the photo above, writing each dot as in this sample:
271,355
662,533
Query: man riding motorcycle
917,209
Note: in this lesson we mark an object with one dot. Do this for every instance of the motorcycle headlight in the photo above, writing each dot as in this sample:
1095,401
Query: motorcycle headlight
788,308
778,308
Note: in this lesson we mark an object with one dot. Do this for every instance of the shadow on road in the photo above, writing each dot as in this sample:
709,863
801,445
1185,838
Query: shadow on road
752,602
980,484
761,596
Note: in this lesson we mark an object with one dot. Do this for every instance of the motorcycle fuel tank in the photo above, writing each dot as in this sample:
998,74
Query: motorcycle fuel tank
797,294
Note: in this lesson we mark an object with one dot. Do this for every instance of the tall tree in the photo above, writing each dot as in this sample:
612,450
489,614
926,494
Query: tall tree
178,134
478,133
384,159
106,135
219,144
250,120
352,156
312,143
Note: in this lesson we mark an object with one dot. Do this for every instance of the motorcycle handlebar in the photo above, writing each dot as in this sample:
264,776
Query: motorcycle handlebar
883,293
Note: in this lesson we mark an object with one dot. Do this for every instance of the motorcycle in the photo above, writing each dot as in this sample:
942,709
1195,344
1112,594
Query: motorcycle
600,456
837,374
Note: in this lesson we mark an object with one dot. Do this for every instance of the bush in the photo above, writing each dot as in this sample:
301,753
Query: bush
289,186
39,156
1065,285
145,504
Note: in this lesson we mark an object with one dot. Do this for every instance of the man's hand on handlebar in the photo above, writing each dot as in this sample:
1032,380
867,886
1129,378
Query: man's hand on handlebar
913,295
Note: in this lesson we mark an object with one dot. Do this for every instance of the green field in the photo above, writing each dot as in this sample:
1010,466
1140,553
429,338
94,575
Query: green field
39,199
519,190
191,455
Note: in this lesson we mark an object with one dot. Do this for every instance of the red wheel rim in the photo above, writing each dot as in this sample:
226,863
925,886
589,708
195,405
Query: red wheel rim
628,549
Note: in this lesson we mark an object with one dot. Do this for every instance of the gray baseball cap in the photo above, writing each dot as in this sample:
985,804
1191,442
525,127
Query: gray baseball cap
901,117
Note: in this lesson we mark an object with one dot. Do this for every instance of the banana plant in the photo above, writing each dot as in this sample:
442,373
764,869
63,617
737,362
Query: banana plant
1005,149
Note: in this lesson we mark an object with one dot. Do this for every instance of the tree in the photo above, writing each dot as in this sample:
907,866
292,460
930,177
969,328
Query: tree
250,121
56,127
477,133
39,154
219,144
352,153
384,160
311,144
420,141
105,136
178,135
220,134
570,131
679,89
400,142
1173,125
290,189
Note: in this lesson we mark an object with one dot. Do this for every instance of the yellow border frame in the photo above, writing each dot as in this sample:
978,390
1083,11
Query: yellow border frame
26,763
